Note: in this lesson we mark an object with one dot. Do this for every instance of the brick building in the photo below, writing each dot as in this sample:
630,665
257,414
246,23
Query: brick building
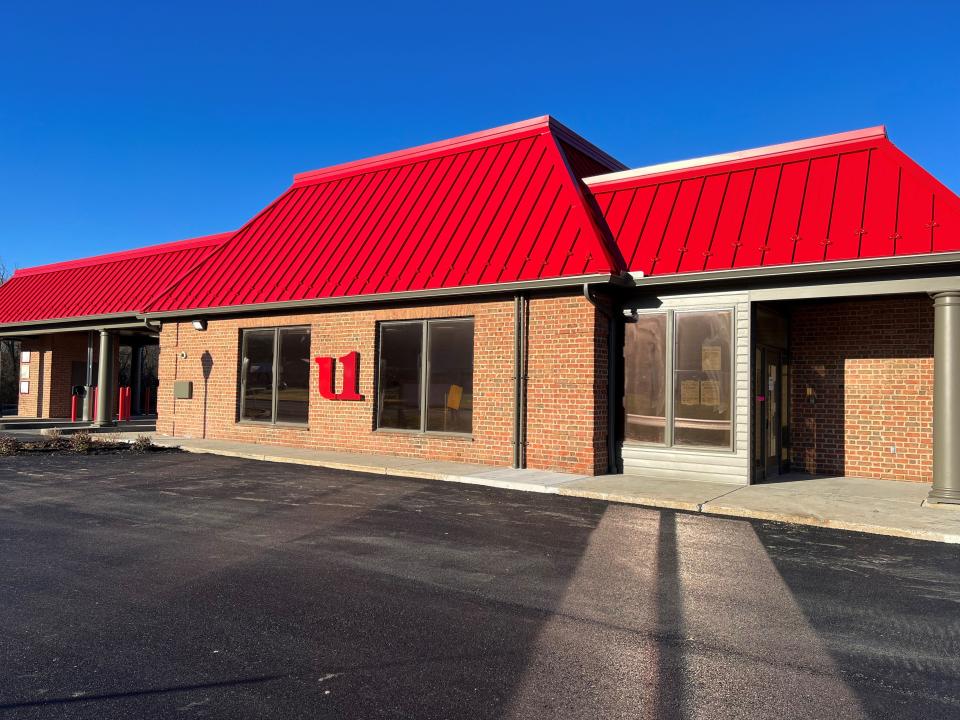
518,297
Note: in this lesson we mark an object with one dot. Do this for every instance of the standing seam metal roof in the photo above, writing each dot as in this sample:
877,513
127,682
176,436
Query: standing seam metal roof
494,207
840,197
115,284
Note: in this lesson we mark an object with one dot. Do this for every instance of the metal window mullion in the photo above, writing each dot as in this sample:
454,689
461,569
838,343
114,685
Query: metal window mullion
243,373
276,374
424,374
671,379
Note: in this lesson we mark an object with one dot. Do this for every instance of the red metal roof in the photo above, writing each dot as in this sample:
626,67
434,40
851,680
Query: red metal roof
839,197
494,207
114,284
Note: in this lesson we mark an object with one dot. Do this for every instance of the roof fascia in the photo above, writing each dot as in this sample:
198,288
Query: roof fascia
583,145
177,246
615,260
89,322
513,131
801,149
406,296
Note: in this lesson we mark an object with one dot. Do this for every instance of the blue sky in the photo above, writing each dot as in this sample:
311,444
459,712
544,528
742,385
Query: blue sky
130,124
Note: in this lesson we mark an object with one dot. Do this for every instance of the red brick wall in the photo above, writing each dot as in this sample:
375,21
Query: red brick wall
36,403
51,370
562,424
870,366
567,393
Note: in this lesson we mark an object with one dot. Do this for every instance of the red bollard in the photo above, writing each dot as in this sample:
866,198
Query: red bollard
126,403
73,408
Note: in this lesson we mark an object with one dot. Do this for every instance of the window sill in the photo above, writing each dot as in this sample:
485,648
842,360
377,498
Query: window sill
692,449
262,424
426,434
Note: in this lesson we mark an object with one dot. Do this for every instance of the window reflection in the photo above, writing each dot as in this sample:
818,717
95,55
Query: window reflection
702,412
645,356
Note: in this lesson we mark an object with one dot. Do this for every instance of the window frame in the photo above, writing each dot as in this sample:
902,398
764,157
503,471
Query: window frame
671,374
274,402
425,340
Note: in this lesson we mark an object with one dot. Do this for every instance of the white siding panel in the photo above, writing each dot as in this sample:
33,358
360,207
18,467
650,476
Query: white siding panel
706,465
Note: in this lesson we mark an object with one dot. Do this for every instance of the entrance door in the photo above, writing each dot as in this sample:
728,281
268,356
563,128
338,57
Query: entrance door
771,411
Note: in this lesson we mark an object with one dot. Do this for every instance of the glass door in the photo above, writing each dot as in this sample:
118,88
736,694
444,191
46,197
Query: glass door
771,411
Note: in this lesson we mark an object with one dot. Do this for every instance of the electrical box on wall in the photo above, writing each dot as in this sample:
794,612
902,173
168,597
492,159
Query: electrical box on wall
183,390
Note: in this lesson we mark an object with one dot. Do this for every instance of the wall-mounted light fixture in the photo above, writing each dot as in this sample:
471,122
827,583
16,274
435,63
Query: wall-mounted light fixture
200,325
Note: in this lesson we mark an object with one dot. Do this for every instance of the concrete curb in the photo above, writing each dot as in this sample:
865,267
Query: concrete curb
705,508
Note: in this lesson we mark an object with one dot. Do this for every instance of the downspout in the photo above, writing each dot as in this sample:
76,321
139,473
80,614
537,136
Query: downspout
520,322
613,466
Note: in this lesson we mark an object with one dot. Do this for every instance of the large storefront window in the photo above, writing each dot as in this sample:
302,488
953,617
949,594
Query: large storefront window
428,391
702,379
275,375
695,375
646,378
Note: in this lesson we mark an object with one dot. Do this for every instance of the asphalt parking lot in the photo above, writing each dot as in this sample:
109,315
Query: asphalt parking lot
176,585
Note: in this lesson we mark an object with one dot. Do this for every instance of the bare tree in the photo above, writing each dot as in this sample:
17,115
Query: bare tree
3,272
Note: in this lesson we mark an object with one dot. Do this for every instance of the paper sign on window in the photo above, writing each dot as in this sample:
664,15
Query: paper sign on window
710,358
25,388
710,393
454,397
24,372
25,357
690,392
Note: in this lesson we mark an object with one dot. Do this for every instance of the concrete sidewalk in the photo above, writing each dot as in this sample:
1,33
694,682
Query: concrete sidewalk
882,507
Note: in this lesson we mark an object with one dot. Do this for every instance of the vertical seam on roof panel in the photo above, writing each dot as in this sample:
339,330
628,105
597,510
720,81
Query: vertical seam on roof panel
863,206
312,222
483,208
933,218
716,220
440,201
201,289
374,216
803,201
341,239
666,227
693,217
833,199
201,257
612,255
496,213
743,220
773,209
556,236
530,211
317,230
463,188
626,214
308,202
566,258
389,215
643,227
451,200
254,248
466,210
325,240
395,243
896,214
516,206
216,251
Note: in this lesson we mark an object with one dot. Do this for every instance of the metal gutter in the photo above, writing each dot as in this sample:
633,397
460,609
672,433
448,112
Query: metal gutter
412,295
812,268
139,325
